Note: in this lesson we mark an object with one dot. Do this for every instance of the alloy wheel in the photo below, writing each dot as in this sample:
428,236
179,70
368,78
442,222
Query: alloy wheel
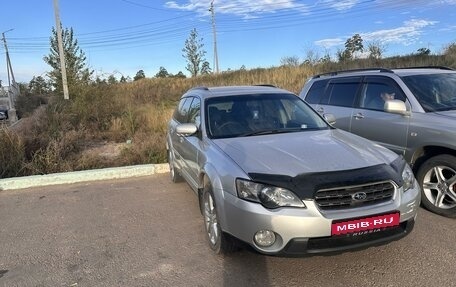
210,219
172,172
439,186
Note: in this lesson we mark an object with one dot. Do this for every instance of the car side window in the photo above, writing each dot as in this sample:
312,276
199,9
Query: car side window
316,92
343,92
377,90
181,113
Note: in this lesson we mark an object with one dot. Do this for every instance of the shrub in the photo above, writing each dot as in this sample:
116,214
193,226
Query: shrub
26,103
12,156
145,148
53,138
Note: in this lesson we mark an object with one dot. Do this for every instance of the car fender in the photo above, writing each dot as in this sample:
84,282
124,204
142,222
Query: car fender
210,173
427,138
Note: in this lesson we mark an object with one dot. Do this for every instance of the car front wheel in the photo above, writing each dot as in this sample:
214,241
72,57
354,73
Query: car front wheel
220,242
437,178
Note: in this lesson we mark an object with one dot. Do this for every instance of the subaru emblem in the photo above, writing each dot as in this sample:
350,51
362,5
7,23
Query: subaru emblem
359,196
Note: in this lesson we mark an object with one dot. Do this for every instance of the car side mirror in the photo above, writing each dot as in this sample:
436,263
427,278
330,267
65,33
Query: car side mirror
396,107
186,129
330,118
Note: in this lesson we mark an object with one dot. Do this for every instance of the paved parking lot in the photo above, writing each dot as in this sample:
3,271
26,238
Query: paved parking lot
149,232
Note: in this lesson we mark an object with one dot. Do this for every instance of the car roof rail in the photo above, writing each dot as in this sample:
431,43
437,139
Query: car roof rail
428,67
266,85
383,70
200,88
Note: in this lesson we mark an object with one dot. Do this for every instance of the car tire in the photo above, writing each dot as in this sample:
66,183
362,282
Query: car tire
219,241
437,178
173,172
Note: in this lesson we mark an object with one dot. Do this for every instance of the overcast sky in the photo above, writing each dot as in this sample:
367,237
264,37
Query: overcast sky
121,37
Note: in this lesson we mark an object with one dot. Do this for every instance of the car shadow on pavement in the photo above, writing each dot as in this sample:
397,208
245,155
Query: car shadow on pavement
245,268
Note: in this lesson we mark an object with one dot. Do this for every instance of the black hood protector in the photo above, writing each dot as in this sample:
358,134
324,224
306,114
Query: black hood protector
306,185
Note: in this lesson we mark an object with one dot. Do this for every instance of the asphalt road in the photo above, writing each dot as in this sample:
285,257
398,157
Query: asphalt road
149,232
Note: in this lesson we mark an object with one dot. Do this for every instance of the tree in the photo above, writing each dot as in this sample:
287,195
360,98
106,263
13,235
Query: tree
162,73
75,62
352,45
206,68
139,75
112,80
99,80
194,53
292,61
325,59
344,55
39,86
123,79
448,50
376,50
311,57
179,75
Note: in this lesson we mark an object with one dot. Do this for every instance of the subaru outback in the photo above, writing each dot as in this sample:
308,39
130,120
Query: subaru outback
411,111
271,172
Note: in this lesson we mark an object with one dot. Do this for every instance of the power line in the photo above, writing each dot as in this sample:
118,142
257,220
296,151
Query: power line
144,6
166,31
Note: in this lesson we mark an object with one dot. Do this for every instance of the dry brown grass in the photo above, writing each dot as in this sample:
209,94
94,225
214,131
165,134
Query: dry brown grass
54,138
12,155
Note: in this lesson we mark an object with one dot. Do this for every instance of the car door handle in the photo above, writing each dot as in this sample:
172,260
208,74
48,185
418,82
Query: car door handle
320,110
359,116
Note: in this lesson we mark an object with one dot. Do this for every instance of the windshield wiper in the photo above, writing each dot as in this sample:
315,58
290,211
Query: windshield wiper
271,131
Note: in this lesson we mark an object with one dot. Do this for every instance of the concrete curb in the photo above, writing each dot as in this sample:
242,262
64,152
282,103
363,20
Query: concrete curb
82,176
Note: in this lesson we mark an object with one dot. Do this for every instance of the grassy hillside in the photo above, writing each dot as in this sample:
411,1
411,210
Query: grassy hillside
130,118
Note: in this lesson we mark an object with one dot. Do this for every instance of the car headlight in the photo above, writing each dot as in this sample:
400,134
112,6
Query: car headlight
408,178
269,196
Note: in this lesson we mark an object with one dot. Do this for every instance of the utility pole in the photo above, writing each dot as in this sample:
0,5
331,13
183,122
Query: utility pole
8,61
216,64
13,89
66,95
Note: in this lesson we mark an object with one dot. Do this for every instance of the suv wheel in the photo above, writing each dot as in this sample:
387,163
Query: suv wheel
437,178
219,241
175,176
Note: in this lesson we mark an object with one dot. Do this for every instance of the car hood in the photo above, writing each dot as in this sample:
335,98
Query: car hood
448,114
304,152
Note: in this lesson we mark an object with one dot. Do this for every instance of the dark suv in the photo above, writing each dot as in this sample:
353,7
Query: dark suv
3,113
411,111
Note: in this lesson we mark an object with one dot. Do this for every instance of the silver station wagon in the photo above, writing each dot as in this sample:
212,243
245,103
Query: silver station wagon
271,172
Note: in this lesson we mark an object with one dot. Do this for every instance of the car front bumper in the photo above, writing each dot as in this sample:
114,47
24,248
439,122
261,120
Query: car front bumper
307,230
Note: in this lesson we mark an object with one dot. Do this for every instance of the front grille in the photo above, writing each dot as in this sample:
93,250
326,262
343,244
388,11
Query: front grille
354,196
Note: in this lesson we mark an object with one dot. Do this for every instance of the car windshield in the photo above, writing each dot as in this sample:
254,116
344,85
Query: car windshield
251,115
435,92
